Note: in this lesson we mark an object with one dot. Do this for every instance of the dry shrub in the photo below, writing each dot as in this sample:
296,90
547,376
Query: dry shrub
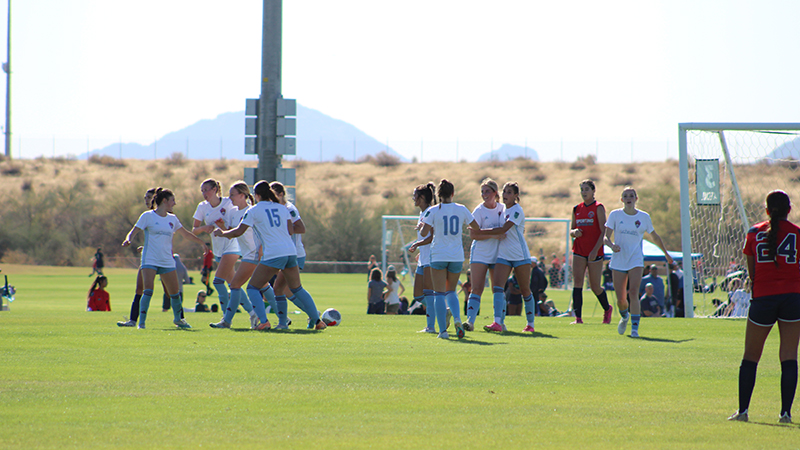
299,163
791,163
795,179
18,257
177,159
11,169
387,194
338,160
630,168
623,180
385,159
577,165
540,176
27,185
199,172
365,159
525,163
107,161
100,183
370,180
221,166
2,157
558,193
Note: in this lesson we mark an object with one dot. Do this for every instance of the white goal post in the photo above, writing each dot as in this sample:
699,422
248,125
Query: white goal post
399,232
726,170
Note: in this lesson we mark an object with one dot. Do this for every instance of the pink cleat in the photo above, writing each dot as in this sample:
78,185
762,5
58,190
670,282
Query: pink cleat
529,329
263,326
494,327
577,320
607,314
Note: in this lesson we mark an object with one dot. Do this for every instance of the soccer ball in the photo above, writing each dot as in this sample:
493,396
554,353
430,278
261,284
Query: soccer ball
331,317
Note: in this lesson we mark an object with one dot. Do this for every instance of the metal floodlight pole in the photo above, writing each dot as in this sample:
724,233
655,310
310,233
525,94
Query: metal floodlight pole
268,159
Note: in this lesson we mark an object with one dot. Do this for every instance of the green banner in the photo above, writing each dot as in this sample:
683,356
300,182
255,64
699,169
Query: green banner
707,181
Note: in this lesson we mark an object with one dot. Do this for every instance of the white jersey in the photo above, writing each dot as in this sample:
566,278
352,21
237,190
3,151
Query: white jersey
208,215
297,238
158,231
485,251
741,300
447,220
247,241
514,247
393,298
628,234
425,250
269,222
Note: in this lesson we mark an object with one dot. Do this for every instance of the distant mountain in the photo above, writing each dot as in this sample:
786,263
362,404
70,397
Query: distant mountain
508,151
787,150
319,138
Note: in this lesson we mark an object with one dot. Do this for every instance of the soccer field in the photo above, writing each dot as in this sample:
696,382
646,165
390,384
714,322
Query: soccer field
73,379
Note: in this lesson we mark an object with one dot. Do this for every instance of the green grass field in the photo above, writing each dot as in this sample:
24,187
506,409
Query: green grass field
73,379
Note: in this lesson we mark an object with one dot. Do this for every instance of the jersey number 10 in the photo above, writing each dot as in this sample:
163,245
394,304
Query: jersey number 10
451,225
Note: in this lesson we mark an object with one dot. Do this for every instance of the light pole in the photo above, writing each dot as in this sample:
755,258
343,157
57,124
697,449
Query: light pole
7,70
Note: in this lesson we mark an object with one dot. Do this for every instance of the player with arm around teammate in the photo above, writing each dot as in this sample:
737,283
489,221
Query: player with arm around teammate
771,250
628,226
483,251
272,225
134,315
424,197
588,228
159,225
445,221
512,254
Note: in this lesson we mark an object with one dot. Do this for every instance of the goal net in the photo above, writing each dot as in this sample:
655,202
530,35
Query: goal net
545,236
726,171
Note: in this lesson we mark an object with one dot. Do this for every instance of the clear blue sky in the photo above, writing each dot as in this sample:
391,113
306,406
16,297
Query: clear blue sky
504,71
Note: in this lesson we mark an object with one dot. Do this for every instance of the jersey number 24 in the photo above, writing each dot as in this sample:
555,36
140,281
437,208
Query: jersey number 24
787,248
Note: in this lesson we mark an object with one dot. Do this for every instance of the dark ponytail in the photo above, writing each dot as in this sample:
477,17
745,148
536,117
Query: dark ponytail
446,189
778,207
161,195
263,190
427,191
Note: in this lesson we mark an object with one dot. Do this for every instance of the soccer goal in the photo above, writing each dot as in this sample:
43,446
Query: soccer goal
544,236
726,171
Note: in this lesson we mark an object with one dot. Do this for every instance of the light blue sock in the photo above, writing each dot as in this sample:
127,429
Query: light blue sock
222,292
529,309
473,306
452,303
305,298
258,302
268,295
623,313
440,305
177,308
298,303
635,322
280,300
430,308
233,305
144,304
499,300
244,300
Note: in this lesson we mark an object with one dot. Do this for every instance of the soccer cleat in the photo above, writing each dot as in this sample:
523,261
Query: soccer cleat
263,326
577,320
140,326
503,327
444,335
623,324
427,330
253,320
634,333
739,417
528,329
220,324
469,327
459,329
607,314
127,323
282,327
320,325
494,327
182,324
447,319
785,418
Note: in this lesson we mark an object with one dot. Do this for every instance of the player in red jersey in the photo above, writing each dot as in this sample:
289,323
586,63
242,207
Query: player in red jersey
588,229
771,250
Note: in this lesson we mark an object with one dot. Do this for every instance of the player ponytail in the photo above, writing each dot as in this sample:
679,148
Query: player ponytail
241,187
491,184
428,192
778,207
96,283
211,183
161,195
446,189
264,192
148,198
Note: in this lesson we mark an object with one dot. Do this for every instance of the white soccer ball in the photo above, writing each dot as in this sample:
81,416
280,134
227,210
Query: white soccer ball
331,317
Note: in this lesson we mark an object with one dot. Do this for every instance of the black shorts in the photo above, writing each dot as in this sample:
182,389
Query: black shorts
765,311
598,258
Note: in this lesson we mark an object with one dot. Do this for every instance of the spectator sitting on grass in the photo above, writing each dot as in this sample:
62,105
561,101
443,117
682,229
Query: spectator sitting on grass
649,302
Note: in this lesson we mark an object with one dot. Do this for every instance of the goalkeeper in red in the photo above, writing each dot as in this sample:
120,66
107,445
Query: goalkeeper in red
771,250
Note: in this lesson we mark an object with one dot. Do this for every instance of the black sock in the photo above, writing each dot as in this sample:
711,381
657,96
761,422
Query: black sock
135,307
747,381
788,384
577,301
603,298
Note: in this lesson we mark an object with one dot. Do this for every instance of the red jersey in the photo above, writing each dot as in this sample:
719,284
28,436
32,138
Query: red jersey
208,260
99,301
586,221
768,278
